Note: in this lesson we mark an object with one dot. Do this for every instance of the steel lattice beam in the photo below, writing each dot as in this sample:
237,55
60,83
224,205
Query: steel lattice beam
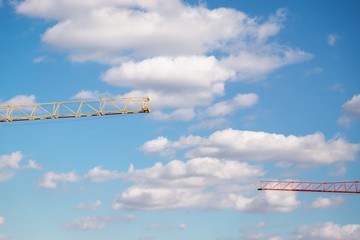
73,109
335,187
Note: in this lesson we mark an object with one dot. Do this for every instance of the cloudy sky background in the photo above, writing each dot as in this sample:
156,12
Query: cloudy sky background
240,91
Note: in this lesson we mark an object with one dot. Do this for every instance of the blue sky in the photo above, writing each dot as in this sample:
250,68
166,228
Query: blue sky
239,90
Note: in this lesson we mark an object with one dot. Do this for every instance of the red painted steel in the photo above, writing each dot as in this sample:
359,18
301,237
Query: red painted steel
336,187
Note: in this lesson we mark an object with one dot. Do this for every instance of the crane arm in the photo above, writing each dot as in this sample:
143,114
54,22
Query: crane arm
74,109
336,187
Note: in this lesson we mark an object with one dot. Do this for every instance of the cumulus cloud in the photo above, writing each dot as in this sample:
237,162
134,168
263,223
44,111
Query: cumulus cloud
99,174
204,183
209,124
323,202
309,150
21,99
92,223
166,49
172,73
351,111
86,94
267,201
163,146
328,231
16,112
52,179
33,165
254,65
173,82
10,163
147,29
2,220
11,160
240,101
181,114
195,172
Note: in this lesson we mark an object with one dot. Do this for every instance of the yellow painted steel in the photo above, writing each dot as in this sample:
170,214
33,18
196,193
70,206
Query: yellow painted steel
73,109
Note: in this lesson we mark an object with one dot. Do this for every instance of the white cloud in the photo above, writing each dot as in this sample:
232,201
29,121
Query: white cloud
182,226
345,121
204,183
10,164
86,94
91,206
98,174
332,39
328,231
159,198
160,227
2,220
351,111
156,145
309,150
196,172
33,165
147,198
276,238
21,99
175,82
181,184
18,100
92,223
161,145
253,65
323,202
52,179
209,124
93,28
165,49
11,161
181,114
352,107
267,201
192,81
172,73
240,101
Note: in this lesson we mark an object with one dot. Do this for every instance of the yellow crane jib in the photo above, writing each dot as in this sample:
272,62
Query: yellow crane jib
74,109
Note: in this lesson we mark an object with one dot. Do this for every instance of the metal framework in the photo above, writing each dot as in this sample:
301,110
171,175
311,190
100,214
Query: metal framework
74,109
335,187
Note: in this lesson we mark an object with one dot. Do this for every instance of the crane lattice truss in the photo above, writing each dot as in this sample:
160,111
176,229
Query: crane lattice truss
74,109
336,187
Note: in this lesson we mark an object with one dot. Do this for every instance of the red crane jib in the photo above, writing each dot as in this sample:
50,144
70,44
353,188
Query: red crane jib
335,187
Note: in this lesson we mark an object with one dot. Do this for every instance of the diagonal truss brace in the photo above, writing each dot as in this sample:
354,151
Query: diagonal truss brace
73,109
336,187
